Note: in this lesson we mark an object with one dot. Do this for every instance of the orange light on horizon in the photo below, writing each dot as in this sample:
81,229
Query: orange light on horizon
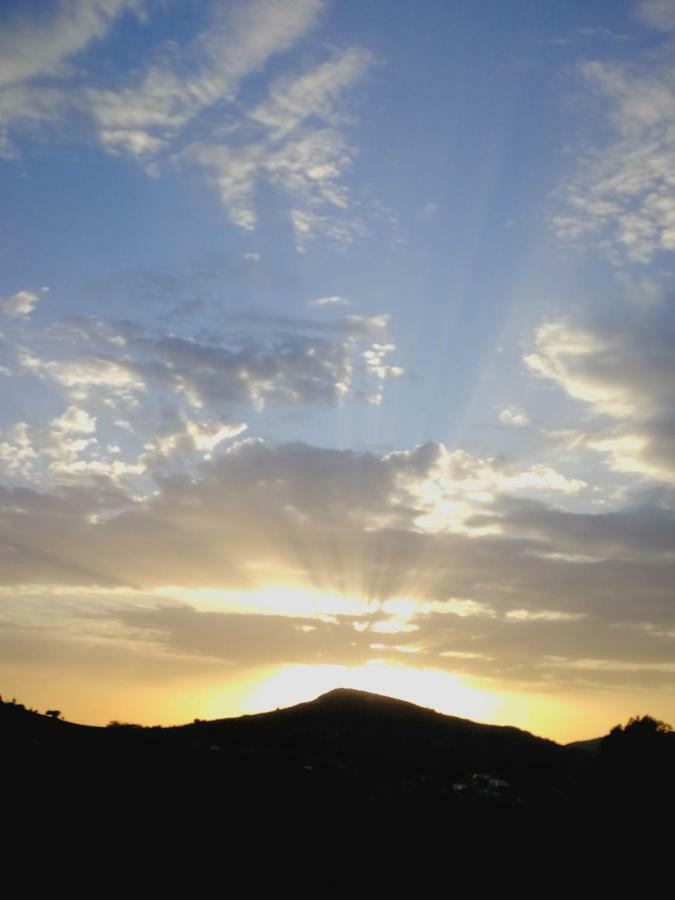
446,692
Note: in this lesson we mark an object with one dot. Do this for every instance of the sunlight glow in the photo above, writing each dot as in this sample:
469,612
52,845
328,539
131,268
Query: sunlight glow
445,692
274,599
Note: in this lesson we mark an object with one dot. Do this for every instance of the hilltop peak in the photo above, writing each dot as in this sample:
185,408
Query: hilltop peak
357,698
350,693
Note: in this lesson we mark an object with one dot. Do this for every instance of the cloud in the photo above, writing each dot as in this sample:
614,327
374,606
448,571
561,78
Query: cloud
246,640
292,141
524,615
624,193
36,46
657,13
180,437
646,293
88,372
28,107
512,415
622,371
7,149
33,45
330,300
316,93
63,450
140,403
257,509
20,305
132,635
76,421
141,120
16,450
639,533
265,554
300,362
334,531
429,211
308,225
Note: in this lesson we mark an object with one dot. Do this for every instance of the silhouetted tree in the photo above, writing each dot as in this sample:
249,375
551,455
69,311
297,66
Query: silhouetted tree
636,760
646,725
641,734
54,713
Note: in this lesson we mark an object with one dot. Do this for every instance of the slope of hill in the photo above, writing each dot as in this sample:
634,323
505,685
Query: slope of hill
592,745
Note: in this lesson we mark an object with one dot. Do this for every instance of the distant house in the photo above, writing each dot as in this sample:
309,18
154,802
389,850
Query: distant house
489,785
484,785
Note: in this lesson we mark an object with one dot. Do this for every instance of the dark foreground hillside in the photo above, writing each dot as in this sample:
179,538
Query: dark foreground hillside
347,748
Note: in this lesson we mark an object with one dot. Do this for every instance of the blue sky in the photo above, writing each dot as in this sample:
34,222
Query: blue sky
382,294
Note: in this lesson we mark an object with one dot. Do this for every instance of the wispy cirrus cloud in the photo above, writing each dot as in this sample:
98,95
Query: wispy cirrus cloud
142,119
293,139
36,50
39,42
624,193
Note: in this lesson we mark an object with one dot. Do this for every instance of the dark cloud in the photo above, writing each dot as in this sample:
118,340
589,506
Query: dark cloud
639,532
626,374
276,360
532,601
250,640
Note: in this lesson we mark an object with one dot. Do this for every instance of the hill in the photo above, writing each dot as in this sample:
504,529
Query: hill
342,746
346,749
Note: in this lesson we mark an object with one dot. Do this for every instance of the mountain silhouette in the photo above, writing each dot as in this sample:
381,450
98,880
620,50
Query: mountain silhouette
344,744
347,747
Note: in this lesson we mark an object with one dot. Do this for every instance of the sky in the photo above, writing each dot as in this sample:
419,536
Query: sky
337,348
